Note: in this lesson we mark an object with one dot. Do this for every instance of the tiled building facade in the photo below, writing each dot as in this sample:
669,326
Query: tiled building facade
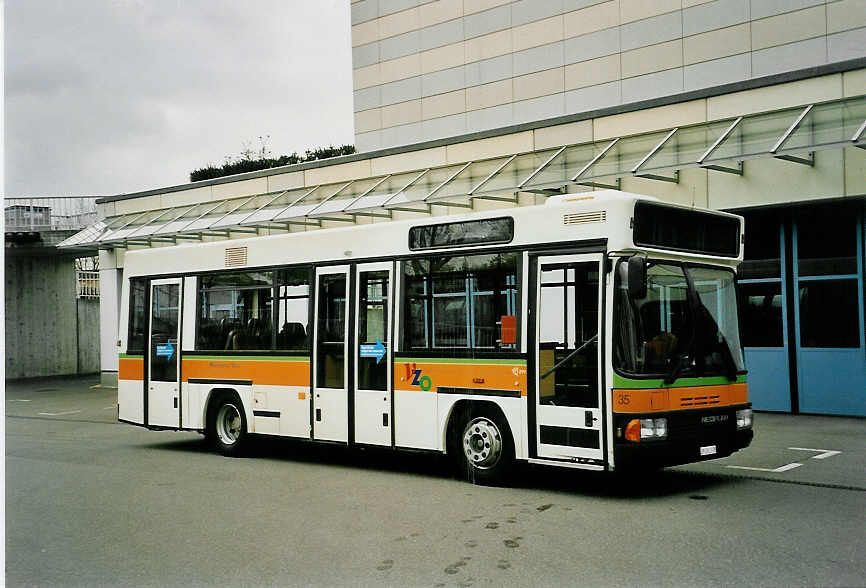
427,70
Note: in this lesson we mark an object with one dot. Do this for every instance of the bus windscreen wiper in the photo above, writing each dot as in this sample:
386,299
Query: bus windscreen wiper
681,359
678,367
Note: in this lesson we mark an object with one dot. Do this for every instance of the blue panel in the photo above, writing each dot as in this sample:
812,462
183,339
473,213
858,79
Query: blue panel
769,387
832,381
769,373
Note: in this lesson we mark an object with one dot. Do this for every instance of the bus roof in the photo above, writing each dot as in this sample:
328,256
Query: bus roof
601,216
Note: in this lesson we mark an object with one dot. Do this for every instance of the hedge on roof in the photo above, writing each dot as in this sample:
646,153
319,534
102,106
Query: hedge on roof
253,161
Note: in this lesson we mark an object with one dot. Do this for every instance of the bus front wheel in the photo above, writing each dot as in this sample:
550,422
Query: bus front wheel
484,447
227,426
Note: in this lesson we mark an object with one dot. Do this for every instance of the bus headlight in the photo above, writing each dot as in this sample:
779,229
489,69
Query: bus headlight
744,418
646,429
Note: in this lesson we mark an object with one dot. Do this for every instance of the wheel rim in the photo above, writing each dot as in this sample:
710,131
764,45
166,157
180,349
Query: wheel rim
228,424
482,443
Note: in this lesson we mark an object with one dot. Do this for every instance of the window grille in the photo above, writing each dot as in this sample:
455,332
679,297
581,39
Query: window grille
88,284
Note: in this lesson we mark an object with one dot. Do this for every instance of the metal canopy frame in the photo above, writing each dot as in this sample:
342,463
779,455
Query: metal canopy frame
722,138
635,170
793,135
810,159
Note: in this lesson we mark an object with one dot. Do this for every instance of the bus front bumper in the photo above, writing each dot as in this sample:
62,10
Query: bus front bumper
692,436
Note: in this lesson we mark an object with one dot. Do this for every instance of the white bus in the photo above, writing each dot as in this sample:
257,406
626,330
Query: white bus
596,331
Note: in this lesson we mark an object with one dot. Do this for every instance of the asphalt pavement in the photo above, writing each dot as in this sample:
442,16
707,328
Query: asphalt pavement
90,501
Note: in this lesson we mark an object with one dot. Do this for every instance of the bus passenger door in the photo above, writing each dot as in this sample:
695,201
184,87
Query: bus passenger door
372,349
163,388
567,303
330,356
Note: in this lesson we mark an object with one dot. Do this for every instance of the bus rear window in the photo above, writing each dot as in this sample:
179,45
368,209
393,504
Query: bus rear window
490,230
665,227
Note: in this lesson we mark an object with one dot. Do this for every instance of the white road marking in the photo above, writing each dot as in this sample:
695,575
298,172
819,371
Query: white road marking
59,413
18,400
779,470
825,453
112,407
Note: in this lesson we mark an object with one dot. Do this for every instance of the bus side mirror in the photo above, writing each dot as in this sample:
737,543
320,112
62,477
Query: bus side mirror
637,277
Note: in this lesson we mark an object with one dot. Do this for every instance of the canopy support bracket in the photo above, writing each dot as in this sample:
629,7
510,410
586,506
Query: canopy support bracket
729,170
673,180
809,160
371,214
544,191
652,152
455,204
498,198
861,131
616,186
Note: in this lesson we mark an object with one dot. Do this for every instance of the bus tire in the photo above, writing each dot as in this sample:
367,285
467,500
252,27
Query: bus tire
227,425
483,446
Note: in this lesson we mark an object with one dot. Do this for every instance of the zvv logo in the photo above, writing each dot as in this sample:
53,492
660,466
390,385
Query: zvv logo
423,381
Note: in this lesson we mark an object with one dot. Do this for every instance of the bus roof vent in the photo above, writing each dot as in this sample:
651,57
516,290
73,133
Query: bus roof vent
236,256
582,218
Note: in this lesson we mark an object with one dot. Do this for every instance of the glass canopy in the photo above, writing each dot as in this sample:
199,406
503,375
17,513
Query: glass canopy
794,134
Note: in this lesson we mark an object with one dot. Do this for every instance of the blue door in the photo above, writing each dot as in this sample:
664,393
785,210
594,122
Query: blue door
828,311
764,308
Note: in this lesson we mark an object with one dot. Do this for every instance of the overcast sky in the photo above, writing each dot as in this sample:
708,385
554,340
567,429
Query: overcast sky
113,96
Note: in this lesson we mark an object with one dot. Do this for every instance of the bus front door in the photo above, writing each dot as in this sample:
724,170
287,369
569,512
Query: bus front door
163,387
568,415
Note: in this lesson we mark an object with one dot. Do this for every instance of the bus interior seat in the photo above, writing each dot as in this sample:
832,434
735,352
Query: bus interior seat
292,336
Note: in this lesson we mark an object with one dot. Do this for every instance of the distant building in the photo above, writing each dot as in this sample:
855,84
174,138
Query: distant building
50,294
21,217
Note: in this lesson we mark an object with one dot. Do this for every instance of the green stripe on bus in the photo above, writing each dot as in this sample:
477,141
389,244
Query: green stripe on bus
621,382
247,357
459,360
129,356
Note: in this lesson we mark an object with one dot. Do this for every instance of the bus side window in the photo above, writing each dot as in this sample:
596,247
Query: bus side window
135,342
235,311
459,302
293,309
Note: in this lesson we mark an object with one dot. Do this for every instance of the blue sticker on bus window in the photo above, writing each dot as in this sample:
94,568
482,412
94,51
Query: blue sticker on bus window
378,351
166,350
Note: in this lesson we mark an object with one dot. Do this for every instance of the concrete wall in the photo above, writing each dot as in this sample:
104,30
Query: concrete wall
425,70
88,331
48,330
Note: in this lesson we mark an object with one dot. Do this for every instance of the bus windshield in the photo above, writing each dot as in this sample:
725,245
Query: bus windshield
686,325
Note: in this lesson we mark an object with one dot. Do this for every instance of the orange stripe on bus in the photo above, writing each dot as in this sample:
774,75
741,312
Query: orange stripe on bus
266,373
658,399
130,368
455,375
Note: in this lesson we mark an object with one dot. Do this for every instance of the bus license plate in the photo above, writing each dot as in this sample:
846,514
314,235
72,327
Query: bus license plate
708,450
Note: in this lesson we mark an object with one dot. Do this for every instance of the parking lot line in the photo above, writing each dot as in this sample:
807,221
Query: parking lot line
779,470
59,413
825,453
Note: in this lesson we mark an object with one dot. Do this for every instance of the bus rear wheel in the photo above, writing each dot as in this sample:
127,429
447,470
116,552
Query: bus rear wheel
227,426
484,447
